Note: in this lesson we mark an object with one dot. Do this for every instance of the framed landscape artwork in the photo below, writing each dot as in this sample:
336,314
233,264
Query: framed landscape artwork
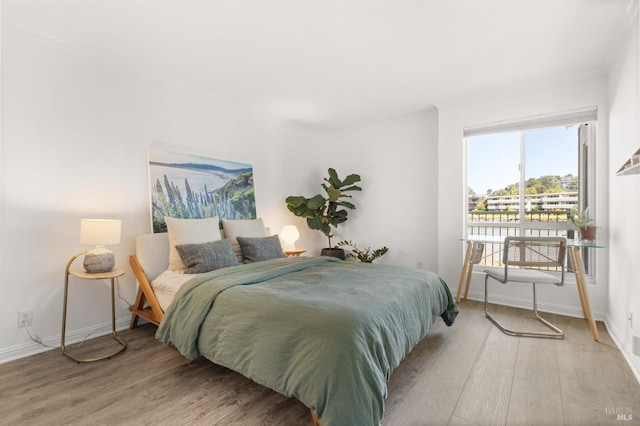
192,186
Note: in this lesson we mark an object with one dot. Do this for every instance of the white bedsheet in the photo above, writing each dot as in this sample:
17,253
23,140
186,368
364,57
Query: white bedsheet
167,284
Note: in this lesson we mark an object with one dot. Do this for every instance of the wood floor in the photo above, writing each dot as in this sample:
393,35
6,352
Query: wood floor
468,374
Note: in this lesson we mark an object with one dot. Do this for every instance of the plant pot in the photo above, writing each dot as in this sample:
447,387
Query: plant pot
339,253
588,233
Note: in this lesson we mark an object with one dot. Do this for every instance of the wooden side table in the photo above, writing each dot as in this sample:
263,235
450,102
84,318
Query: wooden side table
295,252
80,273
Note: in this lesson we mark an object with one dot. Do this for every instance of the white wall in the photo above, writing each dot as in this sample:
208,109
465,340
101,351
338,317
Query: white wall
624,209
514,104
75,130
74,139
397,162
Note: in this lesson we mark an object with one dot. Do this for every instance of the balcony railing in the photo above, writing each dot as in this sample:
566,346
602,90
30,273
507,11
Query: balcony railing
500,224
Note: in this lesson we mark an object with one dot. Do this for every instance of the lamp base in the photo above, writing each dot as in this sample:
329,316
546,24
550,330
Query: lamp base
99,260
289,246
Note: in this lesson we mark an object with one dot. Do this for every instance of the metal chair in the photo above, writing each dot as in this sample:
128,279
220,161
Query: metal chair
529,252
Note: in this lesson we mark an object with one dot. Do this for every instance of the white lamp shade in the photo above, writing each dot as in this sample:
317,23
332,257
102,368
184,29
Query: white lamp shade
289,235
100,232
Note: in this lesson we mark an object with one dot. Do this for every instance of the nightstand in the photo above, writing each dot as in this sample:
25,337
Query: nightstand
80,273
295,252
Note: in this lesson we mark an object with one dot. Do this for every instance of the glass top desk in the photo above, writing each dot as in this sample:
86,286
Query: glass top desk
474,253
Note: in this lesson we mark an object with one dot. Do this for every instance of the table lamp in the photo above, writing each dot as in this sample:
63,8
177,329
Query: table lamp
99,233
289,235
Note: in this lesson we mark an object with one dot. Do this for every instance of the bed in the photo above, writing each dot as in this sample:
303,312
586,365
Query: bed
325,331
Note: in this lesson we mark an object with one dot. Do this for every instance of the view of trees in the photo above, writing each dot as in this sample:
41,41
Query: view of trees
541,185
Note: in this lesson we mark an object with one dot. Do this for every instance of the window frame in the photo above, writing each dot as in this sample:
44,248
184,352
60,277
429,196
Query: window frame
586,170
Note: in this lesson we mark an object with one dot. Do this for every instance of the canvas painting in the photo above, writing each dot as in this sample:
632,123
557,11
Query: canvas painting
191,186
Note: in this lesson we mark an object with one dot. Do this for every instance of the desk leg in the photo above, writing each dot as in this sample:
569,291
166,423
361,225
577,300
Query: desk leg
582,290
574,255
465,273
470,270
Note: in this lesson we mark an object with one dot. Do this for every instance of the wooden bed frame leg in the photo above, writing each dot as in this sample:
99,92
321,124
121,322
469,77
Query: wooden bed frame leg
316,422
139,304
153,313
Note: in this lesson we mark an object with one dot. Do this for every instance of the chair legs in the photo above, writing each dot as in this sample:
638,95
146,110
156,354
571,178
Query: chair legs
556,334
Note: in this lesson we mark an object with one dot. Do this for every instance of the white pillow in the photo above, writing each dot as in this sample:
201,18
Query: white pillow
253,228
189,231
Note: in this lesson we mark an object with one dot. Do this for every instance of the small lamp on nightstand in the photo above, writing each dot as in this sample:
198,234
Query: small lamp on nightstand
98,233
289,235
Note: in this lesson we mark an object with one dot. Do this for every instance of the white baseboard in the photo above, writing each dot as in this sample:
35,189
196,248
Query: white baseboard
53,342
553,308
616,334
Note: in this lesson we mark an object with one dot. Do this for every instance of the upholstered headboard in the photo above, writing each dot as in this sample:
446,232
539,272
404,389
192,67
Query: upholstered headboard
151,259
152,251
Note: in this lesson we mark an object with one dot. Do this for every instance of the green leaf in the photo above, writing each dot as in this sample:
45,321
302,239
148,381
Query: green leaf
295,201
339,217
351,179
326,230
333,178
352,188
333,193
314,223
347,204
316,202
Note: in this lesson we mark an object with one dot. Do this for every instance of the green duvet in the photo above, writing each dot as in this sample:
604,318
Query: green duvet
325,331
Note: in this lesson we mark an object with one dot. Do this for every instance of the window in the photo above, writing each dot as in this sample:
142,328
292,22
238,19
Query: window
524,178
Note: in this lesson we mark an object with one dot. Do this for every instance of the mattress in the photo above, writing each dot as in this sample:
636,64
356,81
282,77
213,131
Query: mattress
167,284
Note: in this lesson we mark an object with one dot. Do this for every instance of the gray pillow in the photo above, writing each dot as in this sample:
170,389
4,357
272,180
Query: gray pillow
233,228
257,249
206,257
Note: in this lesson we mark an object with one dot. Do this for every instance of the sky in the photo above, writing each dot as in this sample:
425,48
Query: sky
492,161
169,157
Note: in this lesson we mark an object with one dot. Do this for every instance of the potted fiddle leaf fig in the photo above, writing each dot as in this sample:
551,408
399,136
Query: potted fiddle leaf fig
324,212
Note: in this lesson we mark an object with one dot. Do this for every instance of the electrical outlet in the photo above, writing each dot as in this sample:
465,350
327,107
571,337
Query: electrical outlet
25,318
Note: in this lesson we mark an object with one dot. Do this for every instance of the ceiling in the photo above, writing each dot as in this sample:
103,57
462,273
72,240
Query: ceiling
336,65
